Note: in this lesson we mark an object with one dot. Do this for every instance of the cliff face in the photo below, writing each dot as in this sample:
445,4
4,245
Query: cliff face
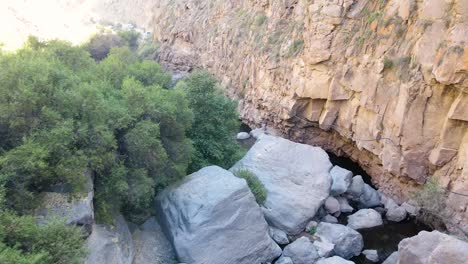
383,82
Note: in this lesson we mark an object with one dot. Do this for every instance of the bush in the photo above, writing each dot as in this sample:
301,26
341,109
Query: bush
100,45
431,198
255,185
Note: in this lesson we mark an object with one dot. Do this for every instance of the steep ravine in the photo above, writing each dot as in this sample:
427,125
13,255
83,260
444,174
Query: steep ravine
382,82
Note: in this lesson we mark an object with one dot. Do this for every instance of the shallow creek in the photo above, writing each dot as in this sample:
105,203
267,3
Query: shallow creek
384,238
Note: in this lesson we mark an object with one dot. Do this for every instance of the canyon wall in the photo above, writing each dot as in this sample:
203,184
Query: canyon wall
383,81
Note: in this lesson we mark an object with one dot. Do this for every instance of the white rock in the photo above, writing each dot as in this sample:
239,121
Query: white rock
364,218
341,180
257,132
334,260
410,209
432,247
279,236
329,219
296,177
324,248
371,255
284,260
369,197
242,135
213,209
301,251
392,259
356,188
394,213
344,205
348,242
332,205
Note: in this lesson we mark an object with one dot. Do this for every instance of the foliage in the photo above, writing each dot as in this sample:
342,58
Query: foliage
431,197
99,45
296,47
255,185
215,123
312,230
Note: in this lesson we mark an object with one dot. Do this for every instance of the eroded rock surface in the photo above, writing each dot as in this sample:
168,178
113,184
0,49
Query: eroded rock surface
296,177
212,217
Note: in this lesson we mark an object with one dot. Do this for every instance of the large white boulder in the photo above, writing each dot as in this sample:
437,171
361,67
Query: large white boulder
296,177
432,247
365,218
392,259
341,180
301,251
151,245
212,217
356,188
369,197
348,242
110,244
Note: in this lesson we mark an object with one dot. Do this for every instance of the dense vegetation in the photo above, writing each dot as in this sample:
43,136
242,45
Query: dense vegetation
62,114
255,185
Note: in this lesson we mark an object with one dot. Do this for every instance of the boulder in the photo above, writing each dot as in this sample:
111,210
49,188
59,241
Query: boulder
212,209
432,247
74,209
301,251
257,132
371,255
356,188
392,259
243,135
296,177
369,197
324,248
341,180
108,244
365,218
344,205
151,245
332,205
334,260
284,260
348,242
330,219
394,213
280,237
410,209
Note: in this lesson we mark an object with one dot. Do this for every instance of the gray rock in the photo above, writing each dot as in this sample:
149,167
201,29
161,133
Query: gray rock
344,205
243,135
284,260
356,188
432,247
392,259
410,209
329,219
394,213
279,236
75,210
371,255
334,260
296,177
369,197
311,225
301,251
110,244
324,248
212,209
348,242
341,180
257,132
364,218
151,245
332,205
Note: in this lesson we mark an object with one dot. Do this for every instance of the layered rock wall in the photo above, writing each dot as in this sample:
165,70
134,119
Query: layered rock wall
381,81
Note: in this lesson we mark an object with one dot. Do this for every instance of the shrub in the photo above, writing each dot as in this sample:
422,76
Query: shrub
255,185
431,198
296,47
388,63
100,45
260,19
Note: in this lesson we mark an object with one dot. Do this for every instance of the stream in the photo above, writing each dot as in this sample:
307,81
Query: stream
384,238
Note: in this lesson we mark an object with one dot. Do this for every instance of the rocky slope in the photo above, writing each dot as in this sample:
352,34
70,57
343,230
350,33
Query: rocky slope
383,82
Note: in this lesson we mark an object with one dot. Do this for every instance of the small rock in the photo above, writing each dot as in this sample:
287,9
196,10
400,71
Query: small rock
334,260
348,242
392,259
410,209
332,205
324,249
364,218
330,219
396,214
311,225
369,197
371,255
357,187
301,251
279,236
380,210
284,260
257,132
341,180
243,135
344,205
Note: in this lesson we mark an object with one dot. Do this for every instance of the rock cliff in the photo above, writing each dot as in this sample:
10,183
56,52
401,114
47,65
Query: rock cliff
383,81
